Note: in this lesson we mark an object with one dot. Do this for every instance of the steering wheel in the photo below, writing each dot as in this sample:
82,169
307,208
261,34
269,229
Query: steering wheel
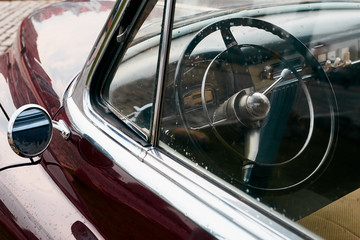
264,116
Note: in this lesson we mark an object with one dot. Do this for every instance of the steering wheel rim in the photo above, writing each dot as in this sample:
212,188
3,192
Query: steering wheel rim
306,91
224,27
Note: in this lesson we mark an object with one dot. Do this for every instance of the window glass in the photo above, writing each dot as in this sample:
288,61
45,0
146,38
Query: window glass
130,91
263,95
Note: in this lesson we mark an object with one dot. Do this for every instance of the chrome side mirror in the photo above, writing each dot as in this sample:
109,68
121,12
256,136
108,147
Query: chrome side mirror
30,130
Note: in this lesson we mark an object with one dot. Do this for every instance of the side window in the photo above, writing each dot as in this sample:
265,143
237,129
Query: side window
130,91
253,103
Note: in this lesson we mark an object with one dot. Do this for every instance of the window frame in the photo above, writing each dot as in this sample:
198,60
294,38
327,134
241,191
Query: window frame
116,40
90,103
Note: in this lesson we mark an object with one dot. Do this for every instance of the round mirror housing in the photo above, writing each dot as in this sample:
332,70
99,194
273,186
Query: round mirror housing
30,130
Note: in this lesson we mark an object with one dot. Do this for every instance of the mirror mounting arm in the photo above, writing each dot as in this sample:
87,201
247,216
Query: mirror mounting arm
30,130
62,127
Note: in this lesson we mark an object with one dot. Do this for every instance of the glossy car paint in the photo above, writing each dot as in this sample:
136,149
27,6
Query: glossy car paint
109,196
51,48
191,195
114,201
112,184
8,226
32,206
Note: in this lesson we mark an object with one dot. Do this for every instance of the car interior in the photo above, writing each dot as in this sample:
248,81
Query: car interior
265,100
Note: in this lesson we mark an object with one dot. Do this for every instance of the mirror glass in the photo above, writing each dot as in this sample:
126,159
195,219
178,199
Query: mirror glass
30,131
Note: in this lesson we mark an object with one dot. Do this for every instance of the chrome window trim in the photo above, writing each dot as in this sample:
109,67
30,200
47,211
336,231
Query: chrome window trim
162,66
218,212
237,207
211,207
86,76
143,133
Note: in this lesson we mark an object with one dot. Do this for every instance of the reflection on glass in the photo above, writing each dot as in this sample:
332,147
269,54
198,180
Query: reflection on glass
303,155
130,91
31,132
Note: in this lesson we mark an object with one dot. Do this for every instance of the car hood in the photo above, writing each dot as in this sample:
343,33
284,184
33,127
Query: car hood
50,49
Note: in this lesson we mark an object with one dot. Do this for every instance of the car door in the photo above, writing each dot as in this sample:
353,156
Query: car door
154,152
89,167
207,119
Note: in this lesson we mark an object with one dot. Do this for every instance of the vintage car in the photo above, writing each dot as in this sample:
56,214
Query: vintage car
182,120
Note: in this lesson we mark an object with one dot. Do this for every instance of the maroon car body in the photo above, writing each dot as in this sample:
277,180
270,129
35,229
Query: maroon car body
31,72
111,176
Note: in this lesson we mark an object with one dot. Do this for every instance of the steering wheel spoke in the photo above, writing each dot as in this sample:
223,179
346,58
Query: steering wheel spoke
257,127
228,37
